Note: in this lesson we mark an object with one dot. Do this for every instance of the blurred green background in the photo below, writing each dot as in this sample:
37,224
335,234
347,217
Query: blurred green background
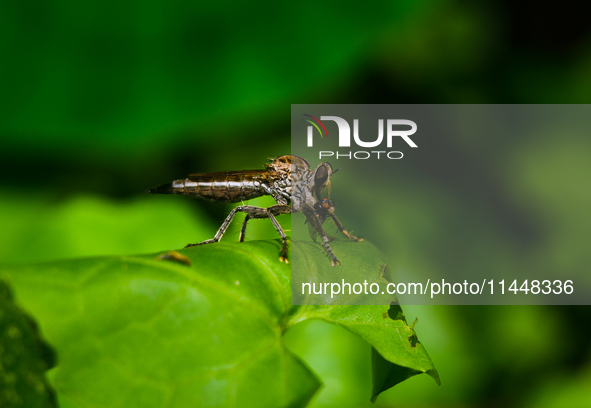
102,100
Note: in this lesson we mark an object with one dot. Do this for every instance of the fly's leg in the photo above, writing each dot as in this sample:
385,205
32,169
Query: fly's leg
334,261
253,212
271,212
275,210
243,229
223,228
316,221
343,230
326,207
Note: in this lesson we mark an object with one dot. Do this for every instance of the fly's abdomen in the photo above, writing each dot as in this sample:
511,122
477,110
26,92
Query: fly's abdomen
230,187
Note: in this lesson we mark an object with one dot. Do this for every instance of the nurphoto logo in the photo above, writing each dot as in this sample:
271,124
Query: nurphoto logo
402,128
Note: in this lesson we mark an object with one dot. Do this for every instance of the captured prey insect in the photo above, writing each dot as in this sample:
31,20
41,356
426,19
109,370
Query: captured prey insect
289,179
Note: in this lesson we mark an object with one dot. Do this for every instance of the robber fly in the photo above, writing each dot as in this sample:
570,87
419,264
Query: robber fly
288,179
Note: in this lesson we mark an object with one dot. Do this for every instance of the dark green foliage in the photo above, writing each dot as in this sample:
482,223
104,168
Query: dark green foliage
24,358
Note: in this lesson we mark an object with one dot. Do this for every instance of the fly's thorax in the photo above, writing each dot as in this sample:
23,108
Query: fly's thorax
281,190
288,163
302,190
277,180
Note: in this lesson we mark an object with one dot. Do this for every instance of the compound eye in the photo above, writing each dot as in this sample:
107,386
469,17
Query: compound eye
321,176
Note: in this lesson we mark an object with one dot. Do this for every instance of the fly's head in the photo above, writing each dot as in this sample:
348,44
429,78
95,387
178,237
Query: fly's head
322,177
307,183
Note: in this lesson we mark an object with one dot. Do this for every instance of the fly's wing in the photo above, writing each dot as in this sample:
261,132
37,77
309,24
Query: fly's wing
223,174
312,231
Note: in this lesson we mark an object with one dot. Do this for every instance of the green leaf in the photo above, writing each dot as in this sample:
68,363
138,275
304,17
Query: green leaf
361,263
155,331
24,358
396,352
